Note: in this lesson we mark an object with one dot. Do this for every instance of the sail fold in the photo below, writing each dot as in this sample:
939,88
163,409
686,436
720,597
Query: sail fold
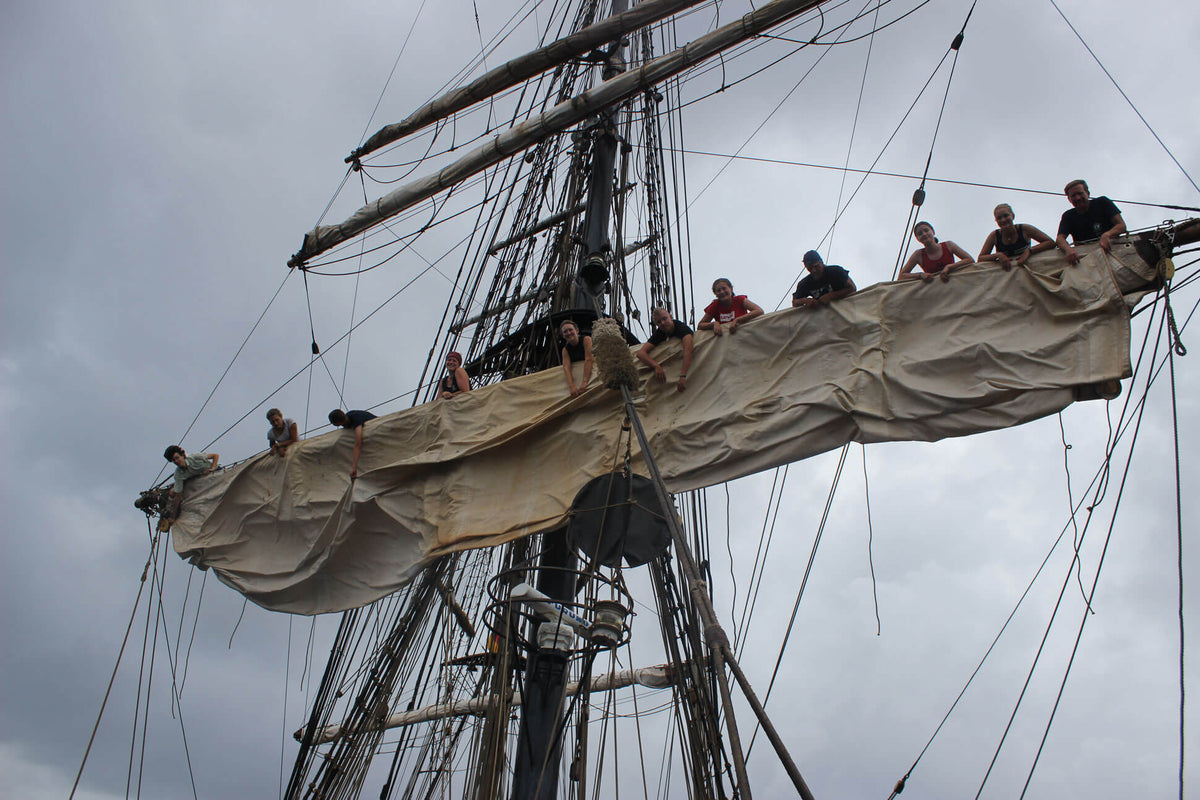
894,362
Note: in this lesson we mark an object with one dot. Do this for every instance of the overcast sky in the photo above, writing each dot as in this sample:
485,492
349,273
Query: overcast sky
161,163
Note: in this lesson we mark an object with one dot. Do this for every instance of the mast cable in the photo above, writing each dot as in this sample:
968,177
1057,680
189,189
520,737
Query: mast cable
120,653
862,86
1098,478
1092,53
1062,591
1095,581
1179,552
870,541
1076,539
228,367
919,195
908,176
812,557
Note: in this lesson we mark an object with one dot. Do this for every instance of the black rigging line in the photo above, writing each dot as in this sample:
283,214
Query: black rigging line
1179,565
812,557
228,367
862,86
870,541
919,194
910,176
392,73
1087,611
1092,53
1100,479
120,653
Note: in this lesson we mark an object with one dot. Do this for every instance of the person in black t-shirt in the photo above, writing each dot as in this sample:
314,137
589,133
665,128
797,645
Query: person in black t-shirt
1088,218
353,420
823,284
667,327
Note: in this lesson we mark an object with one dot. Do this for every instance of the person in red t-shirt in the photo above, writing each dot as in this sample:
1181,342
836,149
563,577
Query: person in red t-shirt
728,310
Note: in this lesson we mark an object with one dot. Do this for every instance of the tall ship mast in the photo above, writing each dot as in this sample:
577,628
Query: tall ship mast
523,577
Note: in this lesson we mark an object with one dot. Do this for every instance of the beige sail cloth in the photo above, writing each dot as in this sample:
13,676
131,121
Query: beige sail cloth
897,361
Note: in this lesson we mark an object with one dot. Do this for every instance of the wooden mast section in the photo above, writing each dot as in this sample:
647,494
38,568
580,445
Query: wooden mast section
523,68
558,118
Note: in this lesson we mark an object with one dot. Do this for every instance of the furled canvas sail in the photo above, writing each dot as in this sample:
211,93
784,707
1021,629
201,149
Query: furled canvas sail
897,361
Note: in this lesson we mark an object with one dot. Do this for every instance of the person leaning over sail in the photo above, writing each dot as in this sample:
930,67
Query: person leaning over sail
935,258
823,284
352,420
1012,242
728,310
185,467
456,380
1088,218
575,348
667,327
282,434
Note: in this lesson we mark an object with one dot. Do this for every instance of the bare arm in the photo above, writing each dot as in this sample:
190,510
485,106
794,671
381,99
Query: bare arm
689,347
846,291
1044,242
1116,230
1069,251
643,355
752,310
214,458
964,258
906,272
463,380
358,440
985,252
707,323
566,364
588,362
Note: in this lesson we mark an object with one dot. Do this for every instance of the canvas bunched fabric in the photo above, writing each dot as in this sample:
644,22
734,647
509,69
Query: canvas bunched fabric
896,361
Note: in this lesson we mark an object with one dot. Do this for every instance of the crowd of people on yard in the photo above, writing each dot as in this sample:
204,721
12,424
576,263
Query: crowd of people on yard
1011,244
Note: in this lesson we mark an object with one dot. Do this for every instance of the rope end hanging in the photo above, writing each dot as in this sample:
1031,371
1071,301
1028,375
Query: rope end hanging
613,358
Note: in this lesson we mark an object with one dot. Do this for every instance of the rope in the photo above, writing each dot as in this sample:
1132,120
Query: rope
120,653
1058,602
910,176
854,126
812,556
870,541
1122,91
919,195
1179,553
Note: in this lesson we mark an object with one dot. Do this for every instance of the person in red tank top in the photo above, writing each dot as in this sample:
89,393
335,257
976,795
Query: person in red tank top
728,310
935,258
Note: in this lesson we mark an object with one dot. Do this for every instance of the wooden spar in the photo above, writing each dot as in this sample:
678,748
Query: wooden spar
656,677
558,118
523,68
714,634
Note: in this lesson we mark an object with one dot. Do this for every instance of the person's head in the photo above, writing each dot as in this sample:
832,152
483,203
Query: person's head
275,417
569,331
338,419
1004,215
923,232
723,289
662,319
175,455
813,263
453,360
1078,193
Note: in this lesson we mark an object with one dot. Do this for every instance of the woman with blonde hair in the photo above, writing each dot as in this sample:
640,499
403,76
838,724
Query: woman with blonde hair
1012,243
